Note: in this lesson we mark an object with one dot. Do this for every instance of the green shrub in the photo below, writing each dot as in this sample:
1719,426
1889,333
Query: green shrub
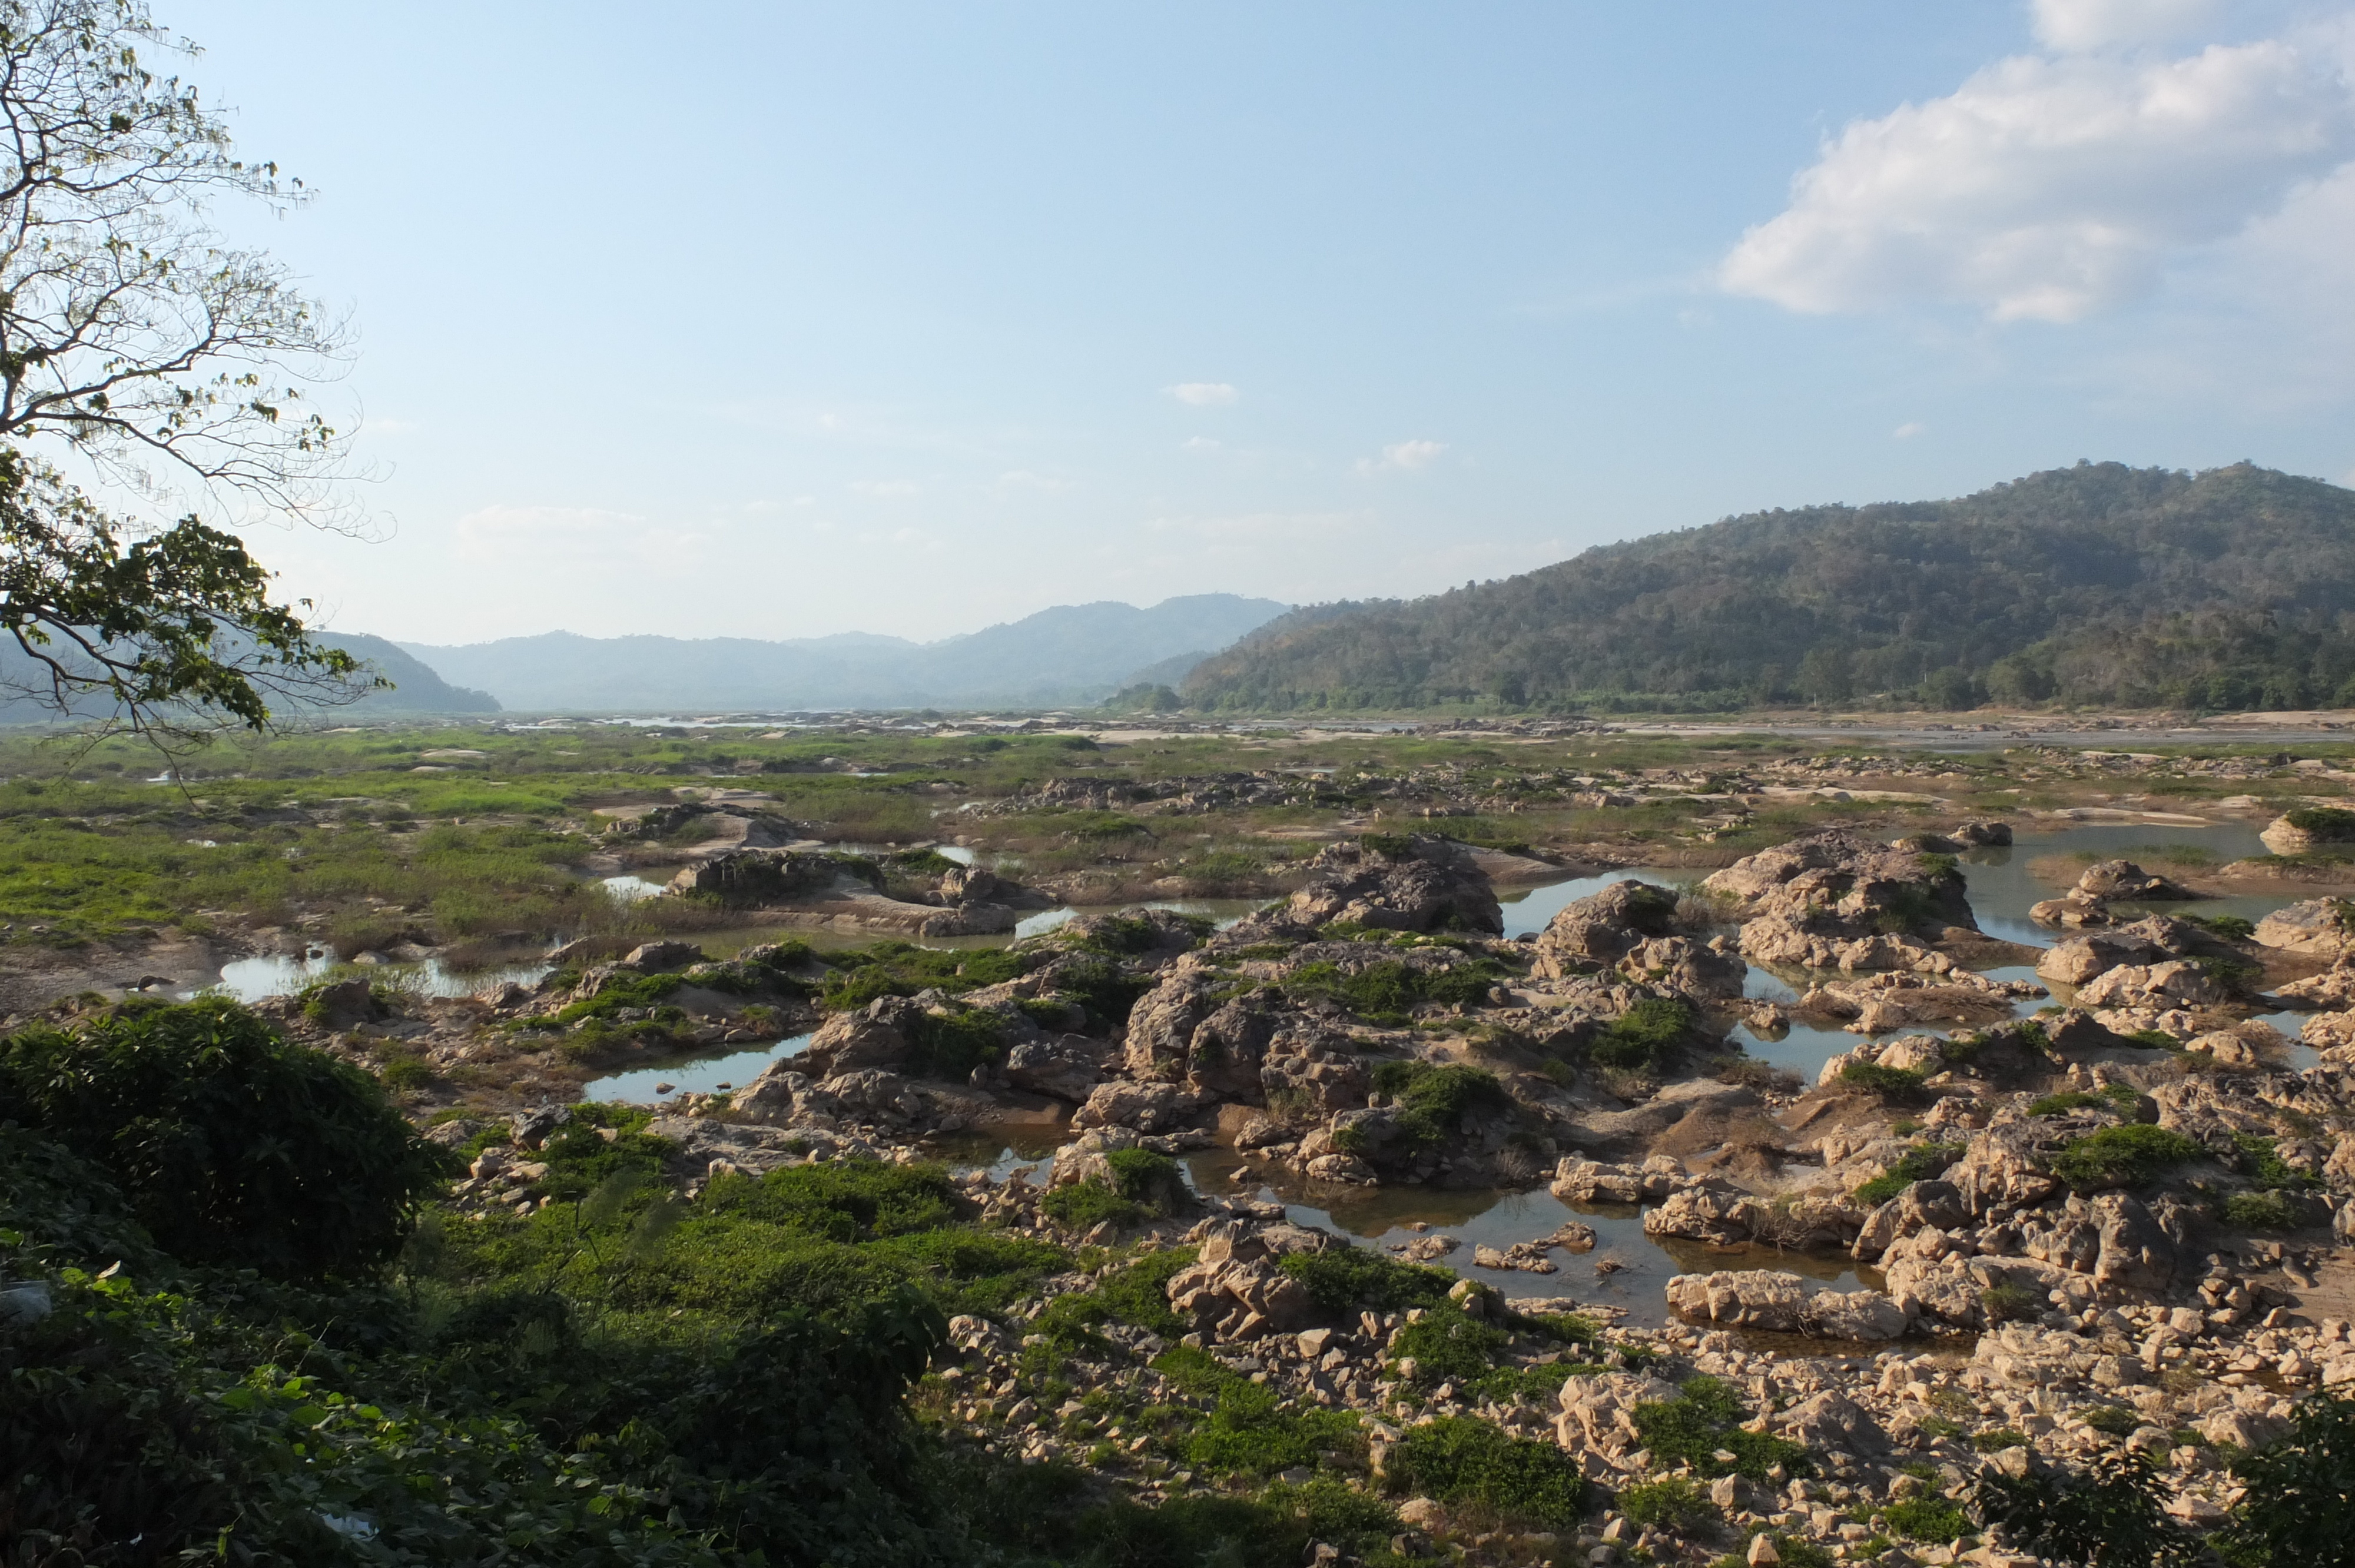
1888,1083
2327,824
1934,1520
2231,928
1672,1501
2261,1160
2010,1303
2108,1516
950,1044
1704,1420
1143,1177
1921,1162
1996,1439
230,1145
2265,1211
1462,1459
1346,1280
1083,1205
2115,1419
1432,1102
1643,1036
2127,1156
2300,1506
1387,991
1448,1346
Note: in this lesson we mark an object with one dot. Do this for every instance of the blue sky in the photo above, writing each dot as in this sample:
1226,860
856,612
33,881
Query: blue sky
783,320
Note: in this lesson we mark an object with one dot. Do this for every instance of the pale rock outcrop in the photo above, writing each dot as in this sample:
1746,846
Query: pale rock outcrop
1432,884
2177,983
873,1036
2314,926
1598,1410
1236,1290
1830,1421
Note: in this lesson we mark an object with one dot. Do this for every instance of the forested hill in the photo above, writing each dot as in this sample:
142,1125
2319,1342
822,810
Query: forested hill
2232,589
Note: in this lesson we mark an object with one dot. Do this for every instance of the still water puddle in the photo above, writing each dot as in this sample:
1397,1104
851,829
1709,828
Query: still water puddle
704,1074
283,974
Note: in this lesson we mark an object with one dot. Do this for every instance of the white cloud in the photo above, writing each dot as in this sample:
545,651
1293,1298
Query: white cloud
1404,457
2049,186
1023,479
1199,444
2100,24
1908,430
1204,394
882,487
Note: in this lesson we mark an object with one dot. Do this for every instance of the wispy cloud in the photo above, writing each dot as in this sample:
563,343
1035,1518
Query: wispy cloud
1404,457
885,487
1204,394
1909,430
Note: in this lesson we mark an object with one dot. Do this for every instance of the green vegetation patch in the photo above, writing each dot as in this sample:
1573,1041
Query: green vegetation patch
1346,1280
1704,1421
1462,1459
186,1105
1644,1037
1387,991
2128,1156
1431,1103
1922,1162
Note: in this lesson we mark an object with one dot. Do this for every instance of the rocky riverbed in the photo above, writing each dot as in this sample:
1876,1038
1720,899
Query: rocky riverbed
2030,1222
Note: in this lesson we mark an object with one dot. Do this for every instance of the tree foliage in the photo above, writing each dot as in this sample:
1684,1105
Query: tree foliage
139,343
232,1145
2232,589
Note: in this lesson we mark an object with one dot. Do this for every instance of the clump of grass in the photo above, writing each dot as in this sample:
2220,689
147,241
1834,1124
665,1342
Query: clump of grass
1934,1520
1920,1163
2266,1210
1461,1459
1346,1280
1888,1083
1672,1500
1704,1421
2128,1156
1388,991
1644,1037
1432,1102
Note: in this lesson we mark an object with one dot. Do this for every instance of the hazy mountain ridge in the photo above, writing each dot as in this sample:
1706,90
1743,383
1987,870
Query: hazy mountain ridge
1069,653
2230,589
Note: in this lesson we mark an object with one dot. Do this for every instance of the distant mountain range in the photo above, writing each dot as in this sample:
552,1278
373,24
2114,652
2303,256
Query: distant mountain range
1070,654
2101,584
416,688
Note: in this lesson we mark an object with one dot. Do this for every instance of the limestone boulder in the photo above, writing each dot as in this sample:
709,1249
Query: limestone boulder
1831,1422
2176,983
1065,1068
2314,926
1750,1299
1144,1107
873,1037
1598,1410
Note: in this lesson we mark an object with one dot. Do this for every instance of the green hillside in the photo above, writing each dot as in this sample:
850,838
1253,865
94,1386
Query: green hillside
2229,589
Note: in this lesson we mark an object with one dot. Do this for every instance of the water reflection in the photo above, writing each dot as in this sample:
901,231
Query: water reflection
282,974
703,1075
1377,1216
1526,914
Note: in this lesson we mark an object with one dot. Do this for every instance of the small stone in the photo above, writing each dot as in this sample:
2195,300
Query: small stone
1762,1553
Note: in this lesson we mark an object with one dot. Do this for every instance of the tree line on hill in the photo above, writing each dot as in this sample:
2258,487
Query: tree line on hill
2229,589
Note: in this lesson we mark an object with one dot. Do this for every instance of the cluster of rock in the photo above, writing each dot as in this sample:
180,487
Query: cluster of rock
2103,883
1839,900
